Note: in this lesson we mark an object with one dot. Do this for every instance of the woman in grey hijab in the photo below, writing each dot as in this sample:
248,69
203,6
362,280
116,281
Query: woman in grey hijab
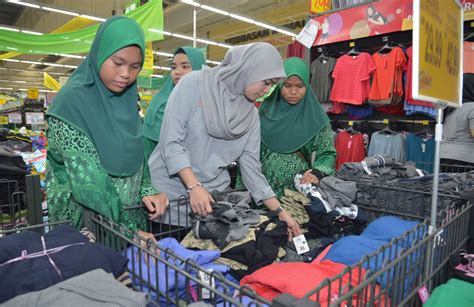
210,121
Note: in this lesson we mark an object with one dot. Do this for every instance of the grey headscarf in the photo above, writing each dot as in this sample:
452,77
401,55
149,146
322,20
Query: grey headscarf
227,113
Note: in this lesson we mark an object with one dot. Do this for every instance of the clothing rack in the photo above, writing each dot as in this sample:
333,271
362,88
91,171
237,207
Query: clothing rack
386,121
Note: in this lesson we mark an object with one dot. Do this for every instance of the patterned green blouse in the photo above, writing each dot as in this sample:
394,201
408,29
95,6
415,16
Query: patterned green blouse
75,181
280,169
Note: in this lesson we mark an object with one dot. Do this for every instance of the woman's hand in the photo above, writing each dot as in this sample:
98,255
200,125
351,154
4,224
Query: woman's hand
156,204
200,201
293,227
309,177
146,240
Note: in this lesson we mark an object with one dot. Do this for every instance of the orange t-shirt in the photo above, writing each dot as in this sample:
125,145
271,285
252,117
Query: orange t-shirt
387,80
468,64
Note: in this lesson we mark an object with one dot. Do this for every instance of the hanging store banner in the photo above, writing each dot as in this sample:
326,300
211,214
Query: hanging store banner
437,51
320,6
148,16
147,69
468,7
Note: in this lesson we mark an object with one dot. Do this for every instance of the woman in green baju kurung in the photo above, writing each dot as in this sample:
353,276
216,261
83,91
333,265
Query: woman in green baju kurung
95,157
293,126
185,60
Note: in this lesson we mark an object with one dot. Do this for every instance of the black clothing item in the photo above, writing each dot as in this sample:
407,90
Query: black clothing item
261,252
316,247
33,274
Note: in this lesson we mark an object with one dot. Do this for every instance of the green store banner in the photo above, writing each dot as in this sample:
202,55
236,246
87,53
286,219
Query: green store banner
148,16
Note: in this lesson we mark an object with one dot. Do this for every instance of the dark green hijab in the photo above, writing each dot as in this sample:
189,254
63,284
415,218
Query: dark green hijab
286,128
156,109
109,120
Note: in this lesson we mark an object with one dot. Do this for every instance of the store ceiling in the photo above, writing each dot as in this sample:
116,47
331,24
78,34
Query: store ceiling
178,18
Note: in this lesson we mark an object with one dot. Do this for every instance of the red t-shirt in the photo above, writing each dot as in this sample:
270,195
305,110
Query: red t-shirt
408,88
349,148
351,76
468,57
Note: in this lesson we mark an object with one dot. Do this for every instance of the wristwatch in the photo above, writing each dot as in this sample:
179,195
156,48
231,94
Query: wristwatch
278,210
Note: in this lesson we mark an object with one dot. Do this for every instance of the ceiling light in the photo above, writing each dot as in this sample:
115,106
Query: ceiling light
32,62
4,80
59,11
71,56
160,31
183,36
70,66
6,88
23,89
213,62
11,60
287,33
11,48
52,64
25,4
162,68
19,81
190,2
31,32
157,76
9,29
242,18
215,10
205,41
92,17
163,53
224,45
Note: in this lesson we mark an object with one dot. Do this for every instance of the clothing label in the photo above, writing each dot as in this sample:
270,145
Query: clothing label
423,293
301,244
308,34
208,281
423,148
366,168
420,172
349,144
438,132
324,61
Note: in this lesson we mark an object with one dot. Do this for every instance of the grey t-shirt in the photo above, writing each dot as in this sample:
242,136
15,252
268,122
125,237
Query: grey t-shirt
392,145
184,142
458,143
321,77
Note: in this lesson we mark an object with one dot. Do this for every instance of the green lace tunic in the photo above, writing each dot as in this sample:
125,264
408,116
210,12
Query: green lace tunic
76,180
280,169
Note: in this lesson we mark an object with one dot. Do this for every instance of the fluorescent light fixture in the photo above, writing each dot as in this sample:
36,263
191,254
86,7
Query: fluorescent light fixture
163,53
52,64
31,32
19,81
11,48
157,76
162,67
23,89
261,24
31,62
242,18
160,31
4,80
59,11
70,56
213,62
205,41
224,45
70,66
287,33
9,29
215,10
11,60
47,91
25,4
190,2
3,68
92,17
6,88
183,36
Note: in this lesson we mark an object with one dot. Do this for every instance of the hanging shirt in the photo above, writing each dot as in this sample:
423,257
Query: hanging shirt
321,77
349,148
351,78
468,60
408,84
421,150
392,145
387,81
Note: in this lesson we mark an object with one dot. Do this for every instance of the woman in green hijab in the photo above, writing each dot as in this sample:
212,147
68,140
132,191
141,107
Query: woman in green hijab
185,60
293,126
95,155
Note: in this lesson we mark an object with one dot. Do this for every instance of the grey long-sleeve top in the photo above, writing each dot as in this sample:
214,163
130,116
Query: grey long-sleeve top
184,142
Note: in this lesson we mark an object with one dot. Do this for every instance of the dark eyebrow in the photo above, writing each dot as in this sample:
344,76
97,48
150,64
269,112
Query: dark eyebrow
116,57
182,63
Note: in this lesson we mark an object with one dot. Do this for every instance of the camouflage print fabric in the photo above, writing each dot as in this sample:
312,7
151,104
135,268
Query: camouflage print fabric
293,203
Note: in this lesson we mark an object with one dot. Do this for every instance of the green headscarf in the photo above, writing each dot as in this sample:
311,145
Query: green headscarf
286,128
156,109
110,120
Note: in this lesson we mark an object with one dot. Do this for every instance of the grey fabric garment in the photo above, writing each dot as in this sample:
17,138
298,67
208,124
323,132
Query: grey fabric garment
339,193
184,142
227,113
94,288
392,145
458,143
321,77
229,221
316,246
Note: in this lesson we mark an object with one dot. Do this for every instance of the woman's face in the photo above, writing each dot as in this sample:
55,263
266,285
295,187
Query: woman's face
121,69
180,66
293,90
258,89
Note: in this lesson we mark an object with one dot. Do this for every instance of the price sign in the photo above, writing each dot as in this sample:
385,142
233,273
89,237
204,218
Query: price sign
14,118
3,101
32,93
3,120
437,51
34,118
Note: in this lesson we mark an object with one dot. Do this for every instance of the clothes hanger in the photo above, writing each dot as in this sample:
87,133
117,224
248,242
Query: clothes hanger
469,37
385,49
354,51
351,130
387,130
